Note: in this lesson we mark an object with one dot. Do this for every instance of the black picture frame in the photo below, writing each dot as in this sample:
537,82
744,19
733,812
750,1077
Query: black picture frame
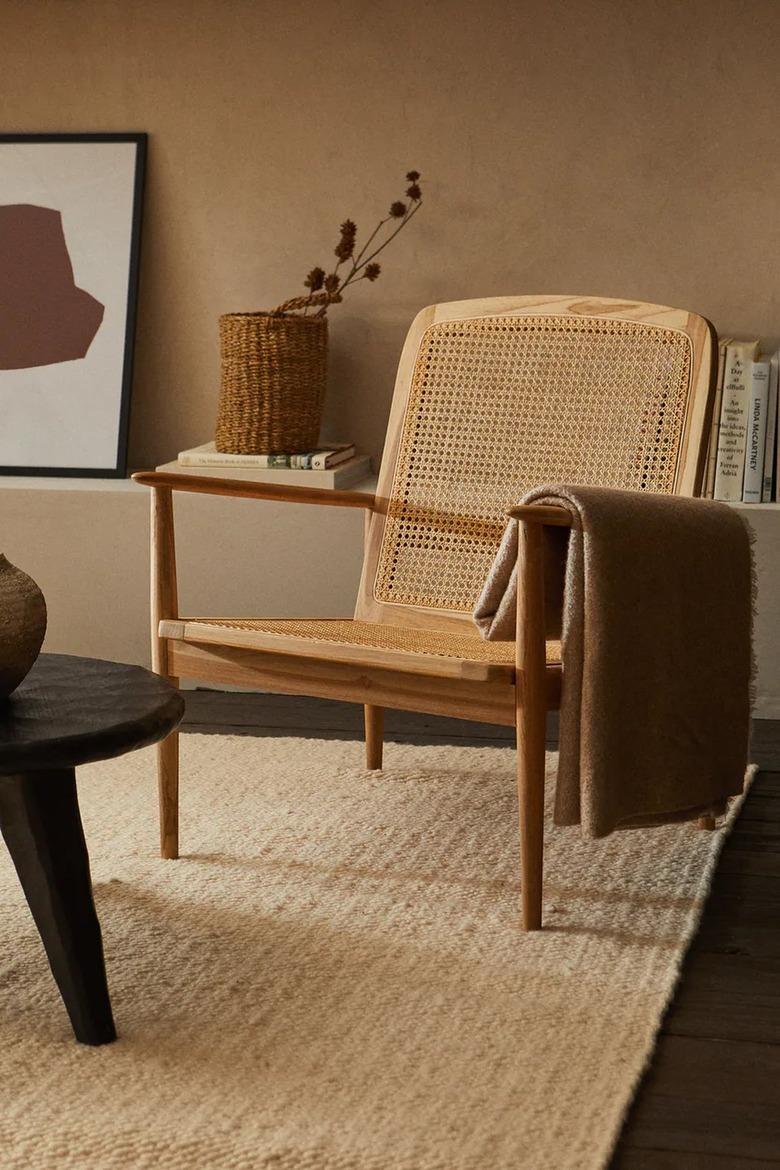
140,139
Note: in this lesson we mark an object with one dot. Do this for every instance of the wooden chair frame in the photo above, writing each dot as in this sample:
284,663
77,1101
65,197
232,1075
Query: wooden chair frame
518,695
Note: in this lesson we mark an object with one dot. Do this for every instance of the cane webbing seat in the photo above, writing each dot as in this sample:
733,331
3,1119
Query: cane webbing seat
434,652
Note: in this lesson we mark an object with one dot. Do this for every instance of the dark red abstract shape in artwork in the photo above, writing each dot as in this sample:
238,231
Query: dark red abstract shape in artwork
44,318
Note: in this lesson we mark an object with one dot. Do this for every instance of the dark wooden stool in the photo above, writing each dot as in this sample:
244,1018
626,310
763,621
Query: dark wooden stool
70,711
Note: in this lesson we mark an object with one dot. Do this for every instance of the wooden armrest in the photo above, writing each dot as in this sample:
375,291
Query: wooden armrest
541,514
291,493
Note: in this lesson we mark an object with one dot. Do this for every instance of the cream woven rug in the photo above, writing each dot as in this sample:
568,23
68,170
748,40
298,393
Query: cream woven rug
333,979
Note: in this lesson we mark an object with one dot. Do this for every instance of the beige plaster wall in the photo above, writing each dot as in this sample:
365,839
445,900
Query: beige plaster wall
87,546
604,147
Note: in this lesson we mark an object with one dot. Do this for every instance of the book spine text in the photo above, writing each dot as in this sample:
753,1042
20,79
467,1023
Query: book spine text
732,438
770,448
756,433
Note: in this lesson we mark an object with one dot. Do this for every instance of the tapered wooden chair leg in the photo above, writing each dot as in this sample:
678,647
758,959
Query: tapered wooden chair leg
165,604
530,792
531,720
375,722
168,790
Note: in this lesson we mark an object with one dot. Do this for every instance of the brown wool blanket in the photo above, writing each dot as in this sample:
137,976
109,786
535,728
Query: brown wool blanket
654,598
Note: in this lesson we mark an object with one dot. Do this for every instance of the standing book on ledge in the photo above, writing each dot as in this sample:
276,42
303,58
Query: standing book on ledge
776,482
756,432
770,440
712,450
732,438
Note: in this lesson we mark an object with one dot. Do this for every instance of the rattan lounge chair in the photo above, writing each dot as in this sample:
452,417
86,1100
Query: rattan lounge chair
492,397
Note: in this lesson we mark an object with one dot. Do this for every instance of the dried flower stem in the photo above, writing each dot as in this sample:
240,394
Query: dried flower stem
371,238
357,264
326,290
376,251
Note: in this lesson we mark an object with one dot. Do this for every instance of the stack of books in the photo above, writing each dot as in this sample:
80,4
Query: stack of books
334,465
744,442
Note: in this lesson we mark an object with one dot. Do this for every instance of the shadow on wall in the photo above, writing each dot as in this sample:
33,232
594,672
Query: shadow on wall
356,407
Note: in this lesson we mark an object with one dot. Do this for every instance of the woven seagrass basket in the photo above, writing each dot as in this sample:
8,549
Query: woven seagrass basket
274,371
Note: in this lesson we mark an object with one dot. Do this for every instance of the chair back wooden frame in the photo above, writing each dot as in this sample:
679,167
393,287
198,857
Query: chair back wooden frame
669,353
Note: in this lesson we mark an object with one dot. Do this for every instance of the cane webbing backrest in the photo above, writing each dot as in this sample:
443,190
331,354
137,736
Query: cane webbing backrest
497,402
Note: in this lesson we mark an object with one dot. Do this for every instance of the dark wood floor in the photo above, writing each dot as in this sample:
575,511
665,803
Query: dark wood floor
711,1096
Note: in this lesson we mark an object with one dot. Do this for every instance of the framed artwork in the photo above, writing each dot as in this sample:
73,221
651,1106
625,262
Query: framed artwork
70,225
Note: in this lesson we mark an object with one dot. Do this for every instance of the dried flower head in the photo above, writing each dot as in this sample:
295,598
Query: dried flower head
315,279
412,176
414,192
346,244
331,282
398,209
373,270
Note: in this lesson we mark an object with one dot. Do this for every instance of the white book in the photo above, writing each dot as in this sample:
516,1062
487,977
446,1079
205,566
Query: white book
345,475
753,482
770,440
777,450
732,438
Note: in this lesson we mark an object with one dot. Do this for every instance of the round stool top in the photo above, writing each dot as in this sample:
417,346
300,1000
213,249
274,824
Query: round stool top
70,710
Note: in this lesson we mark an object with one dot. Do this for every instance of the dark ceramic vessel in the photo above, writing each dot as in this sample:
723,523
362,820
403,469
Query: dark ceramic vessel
22,625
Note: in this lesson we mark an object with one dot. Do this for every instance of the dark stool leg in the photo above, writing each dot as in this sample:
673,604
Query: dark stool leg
41,824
